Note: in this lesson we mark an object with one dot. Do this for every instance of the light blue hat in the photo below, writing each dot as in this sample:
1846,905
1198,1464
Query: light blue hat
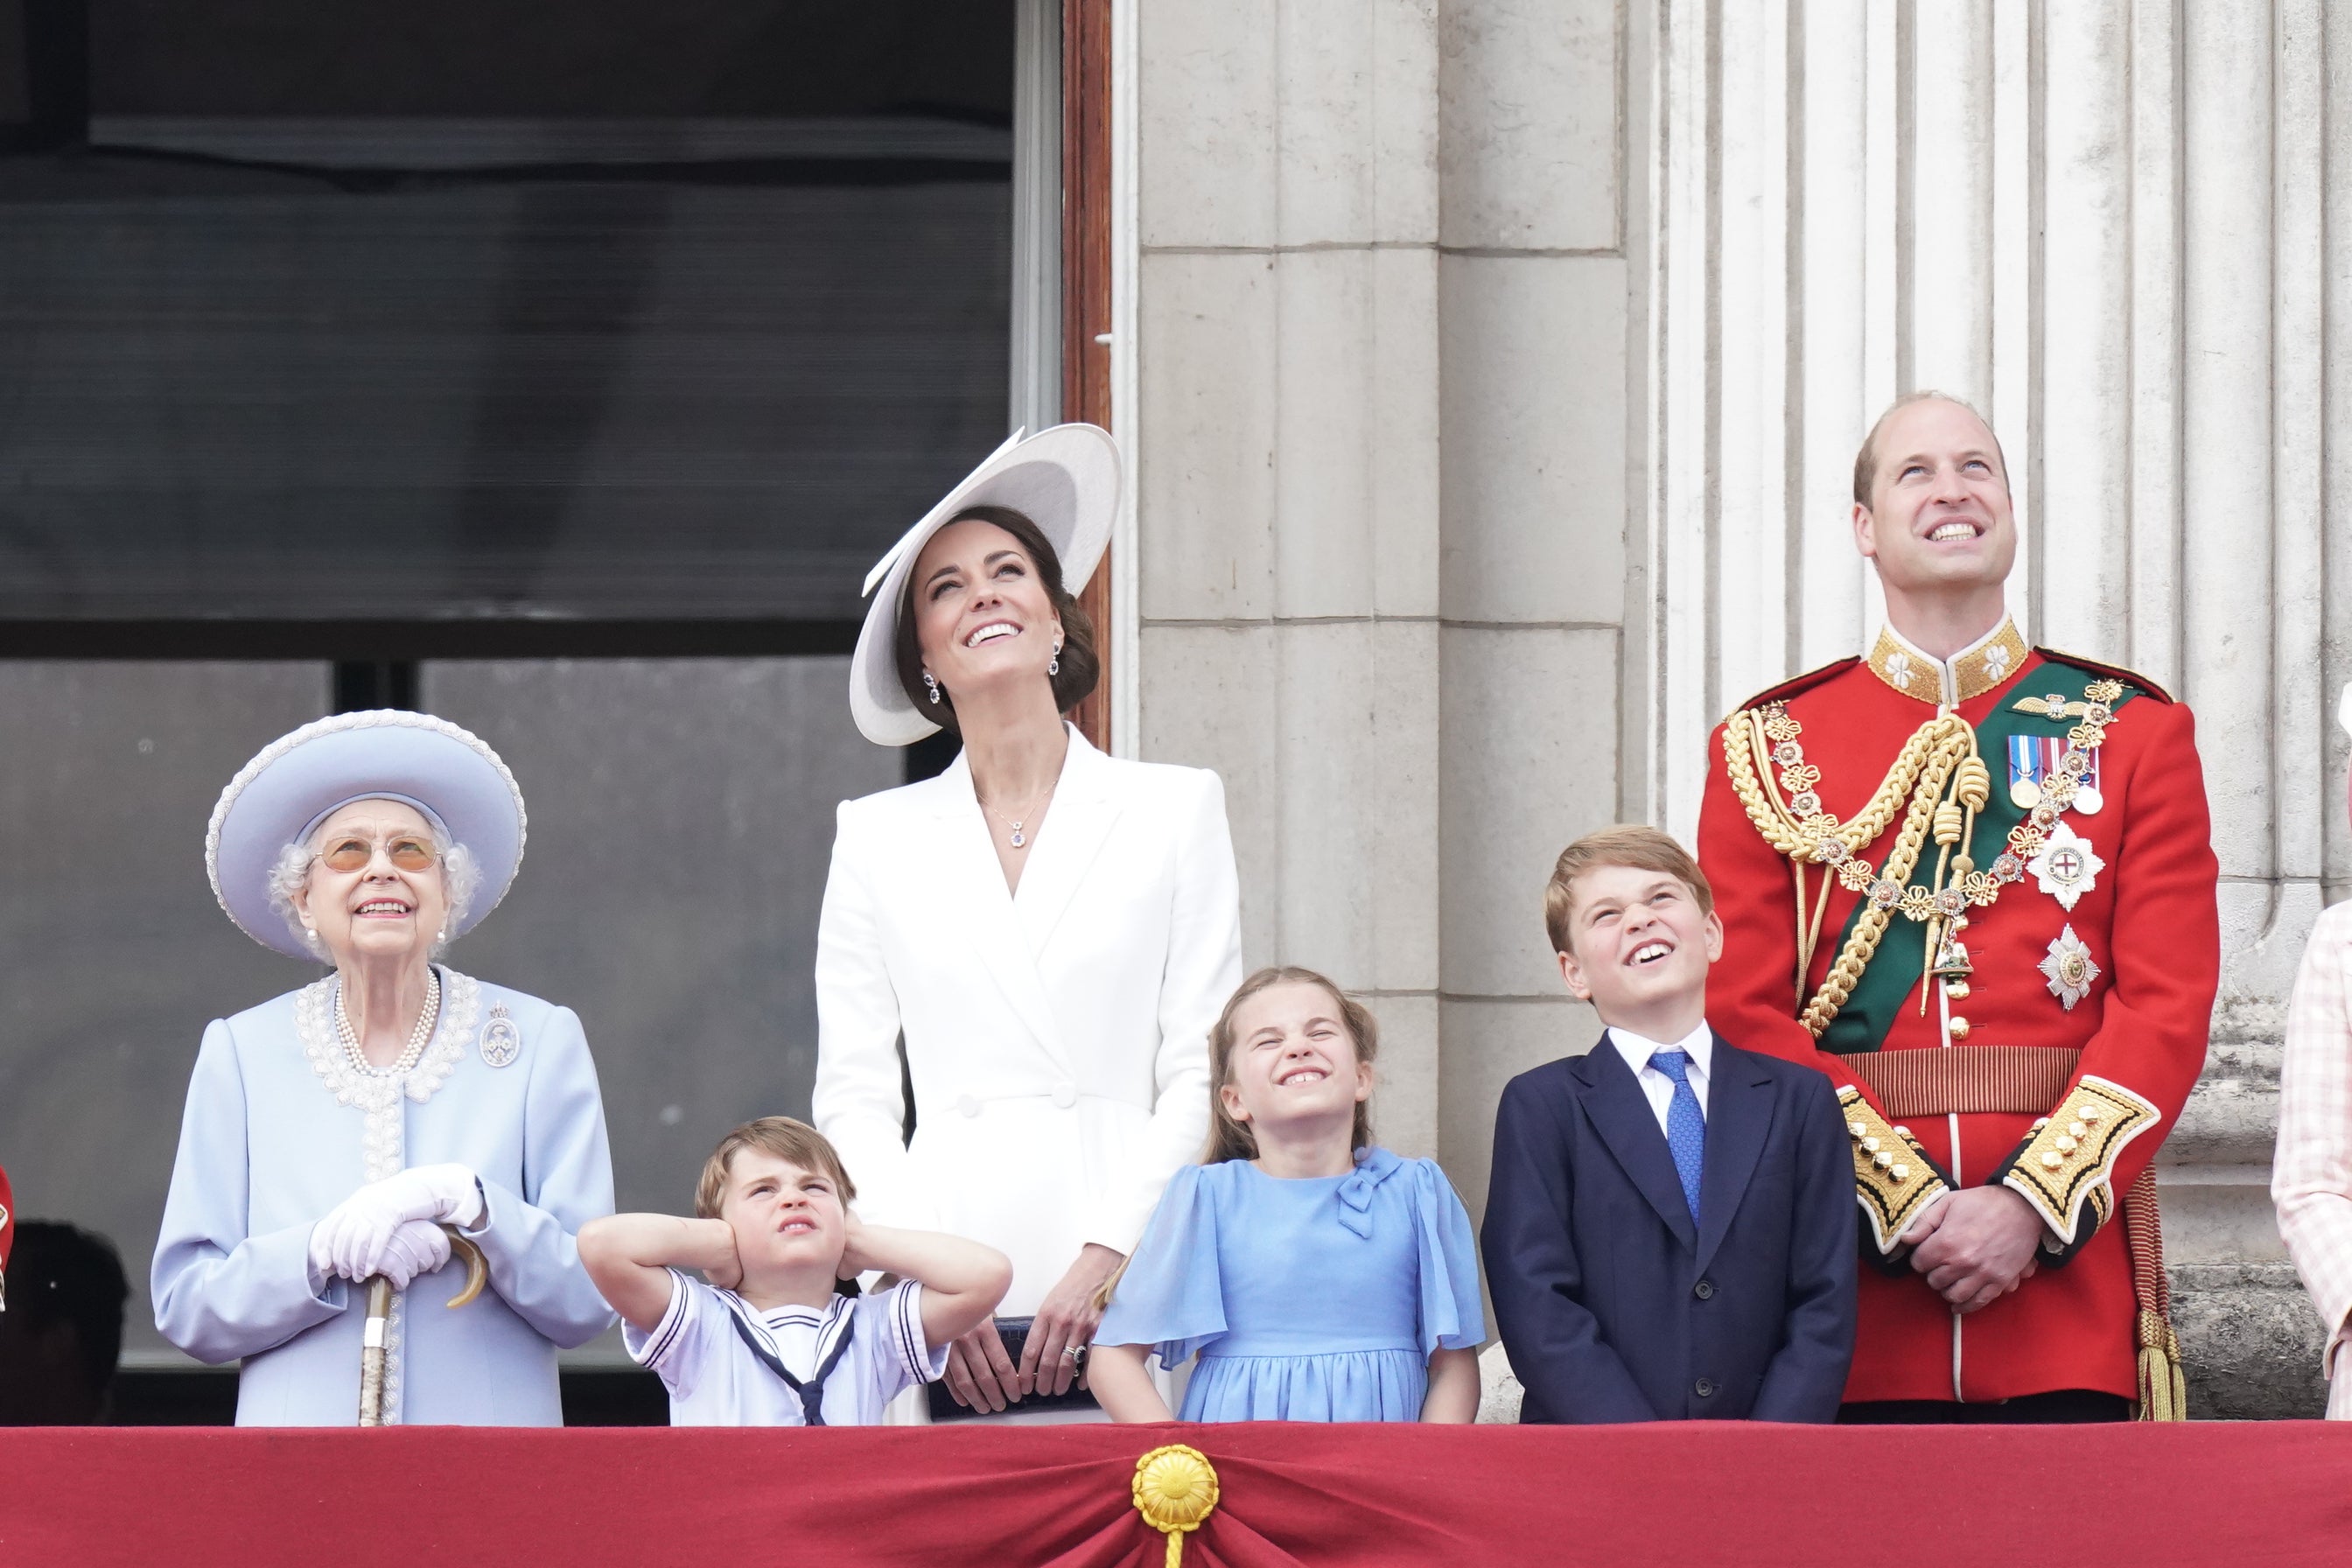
298,780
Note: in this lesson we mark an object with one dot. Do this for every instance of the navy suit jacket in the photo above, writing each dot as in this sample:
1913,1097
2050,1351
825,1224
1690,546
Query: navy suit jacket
1612,1305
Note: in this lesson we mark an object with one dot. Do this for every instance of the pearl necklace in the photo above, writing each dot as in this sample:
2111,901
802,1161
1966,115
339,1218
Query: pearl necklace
417,1038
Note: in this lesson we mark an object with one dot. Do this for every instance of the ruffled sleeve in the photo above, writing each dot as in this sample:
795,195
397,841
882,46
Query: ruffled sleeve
1452,1315
1171,1296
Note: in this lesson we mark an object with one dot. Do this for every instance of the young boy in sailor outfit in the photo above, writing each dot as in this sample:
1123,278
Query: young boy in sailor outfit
768,1342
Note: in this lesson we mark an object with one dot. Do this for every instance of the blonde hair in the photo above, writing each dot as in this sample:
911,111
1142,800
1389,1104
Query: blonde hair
1232,1139
1626,844
780,1136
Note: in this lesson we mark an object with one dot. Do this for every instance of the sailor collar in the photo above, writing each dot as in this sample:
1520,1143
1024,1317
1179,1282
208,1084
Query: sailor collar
1976,670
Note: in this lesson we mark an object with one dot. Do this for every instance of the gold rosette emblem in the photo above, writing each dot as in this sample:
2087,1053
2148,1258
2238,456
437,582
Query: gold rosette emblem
1175,1489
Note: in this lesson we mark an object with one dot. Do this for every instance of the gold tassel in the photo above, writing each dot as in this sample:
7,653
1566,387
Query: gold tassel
2163,1391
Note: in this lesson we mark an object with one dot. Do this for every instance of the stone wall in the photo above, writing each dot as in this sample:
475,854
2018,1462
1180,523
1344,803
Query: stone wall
1497,367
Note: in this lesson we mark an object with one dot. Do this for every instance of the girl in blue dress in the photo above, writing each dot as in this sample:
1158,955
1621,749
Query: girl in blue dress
1317,1277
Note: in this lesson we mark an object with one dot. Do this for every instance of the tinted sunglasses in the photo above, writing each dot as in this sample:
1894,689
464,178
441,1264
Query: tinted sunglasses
407,851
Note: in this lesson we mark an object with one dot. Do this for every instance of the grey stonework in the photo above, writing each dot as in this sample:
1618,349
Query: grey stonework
2250,1343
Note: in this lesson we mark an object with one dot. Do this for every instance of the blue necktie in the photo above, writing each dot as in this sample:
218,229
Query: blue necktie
1686,1125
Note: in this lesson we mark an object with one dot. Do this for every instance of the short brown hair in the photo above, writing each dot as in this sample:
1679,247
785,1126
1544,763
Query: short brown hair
779,1135
1080,665
1865,461
1232,1139
1626,844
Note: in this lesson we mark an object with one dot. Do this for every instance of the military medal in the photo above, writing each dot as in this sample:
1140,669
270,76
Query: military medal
2069,968
2035,760
1939,784
501,1042
2067,866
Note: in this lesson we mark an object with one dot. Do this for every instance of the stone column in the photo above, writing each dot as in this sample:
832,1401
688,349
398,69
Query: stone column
1286,432
1367,228
1538,364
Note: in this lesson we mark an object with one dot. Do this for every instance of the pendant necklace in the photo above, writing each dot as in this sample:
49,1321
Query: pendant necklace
427,1017
1019,840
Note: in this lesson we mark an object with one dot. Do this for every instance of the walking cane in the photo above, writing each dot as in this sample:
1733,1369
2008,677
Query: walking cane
379,1313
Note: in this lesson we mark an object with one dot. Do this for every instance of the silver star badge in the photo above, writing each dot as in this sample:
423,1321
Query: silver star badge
2067,867
2069,968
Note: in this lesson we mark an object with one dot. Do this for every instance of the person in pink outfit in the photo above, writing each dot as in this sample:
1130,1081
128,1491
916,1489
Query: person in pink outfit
2311,1174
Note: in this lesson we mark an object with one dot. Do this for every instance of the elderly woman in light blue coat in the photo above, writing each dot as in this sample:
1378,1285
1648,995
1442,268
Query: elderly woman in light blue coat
349,1128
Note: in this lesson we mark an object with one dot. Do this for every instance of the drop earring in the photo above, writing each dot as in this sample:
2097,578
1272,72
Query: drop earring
1053,665
931,683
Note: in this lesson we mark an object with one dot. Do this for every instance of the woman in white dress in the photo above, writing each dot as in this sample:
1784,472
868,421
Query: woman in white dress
332,1132
1052,931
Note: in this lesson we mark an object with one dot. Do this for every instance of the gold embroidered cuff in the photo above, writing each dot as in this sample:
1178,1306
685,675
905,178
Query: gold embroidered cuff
1893,1177
2069,1158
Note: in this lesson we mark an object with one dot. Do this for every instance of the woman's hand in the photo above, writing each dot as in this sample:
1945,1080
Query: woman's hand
1066,1321
980,1375
417,1247
352,1238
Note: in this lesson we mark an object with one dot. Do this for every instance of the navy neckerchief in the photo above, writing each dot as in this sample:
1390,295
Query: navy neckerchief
811,1391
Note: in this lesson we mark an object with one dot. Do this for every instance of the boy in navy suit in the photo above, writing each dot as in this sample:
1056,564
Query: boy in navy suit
1670,1229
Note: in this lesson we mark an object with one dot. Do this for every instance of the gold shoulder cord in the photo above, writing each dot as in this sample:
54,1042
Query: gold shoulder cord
1945,783
1938,753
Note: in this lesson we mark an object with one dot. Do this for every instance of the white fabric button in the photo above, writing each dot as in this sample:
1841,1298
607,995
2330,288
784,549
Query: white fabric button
968,1106
1066,1095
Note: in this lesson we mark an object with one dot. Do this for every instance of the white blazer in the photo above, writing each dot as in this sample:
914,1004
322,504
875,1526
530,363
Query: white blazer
1057,1039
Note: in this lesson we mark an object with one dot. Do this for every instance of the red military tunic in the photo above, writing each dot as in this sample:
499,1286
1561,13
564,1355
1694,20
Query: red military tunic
2101,939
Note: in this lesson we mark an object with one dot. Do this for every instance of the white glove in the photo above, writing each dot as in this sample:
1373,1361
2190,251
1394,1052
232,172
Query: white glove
352,1240
418,1247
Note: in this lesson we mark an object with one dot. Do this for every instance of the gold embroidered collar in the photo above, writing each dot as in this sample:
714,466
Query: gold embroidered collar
1973,671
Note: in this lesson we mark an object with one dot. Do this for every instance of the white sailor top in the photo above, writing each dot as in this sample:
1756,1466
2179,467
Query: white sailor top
728,1364
281,1126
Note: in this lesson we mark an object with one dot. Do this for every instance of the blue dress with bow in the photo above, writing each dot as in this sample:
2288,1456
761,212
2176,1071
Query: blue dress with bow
1316,1298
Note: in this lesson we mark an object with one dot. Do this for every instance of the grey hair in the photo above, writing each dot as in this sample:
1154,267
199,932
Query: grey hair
461,878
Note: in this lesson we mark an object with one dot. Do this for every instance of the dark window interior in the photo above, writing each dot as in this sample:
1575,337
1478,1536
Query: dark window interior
475,313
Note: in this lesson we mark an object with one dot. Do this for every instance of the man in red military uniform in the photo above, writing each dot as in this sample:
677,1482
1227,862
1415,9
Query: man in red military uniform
1973,882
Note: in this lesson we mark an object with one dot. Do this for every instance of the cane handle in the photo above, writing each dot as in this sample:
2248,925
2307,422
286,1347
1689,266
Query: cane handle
478,1270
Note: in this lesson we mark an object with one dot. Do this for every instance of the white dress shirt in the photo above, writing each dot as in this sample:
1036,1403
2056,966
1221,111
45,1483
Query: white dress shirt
1698,1046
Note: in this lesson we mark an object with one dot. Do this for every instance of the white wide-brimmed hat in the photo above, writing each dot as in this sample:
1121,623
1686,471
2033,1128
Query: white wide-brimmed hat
1065,479
298,780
